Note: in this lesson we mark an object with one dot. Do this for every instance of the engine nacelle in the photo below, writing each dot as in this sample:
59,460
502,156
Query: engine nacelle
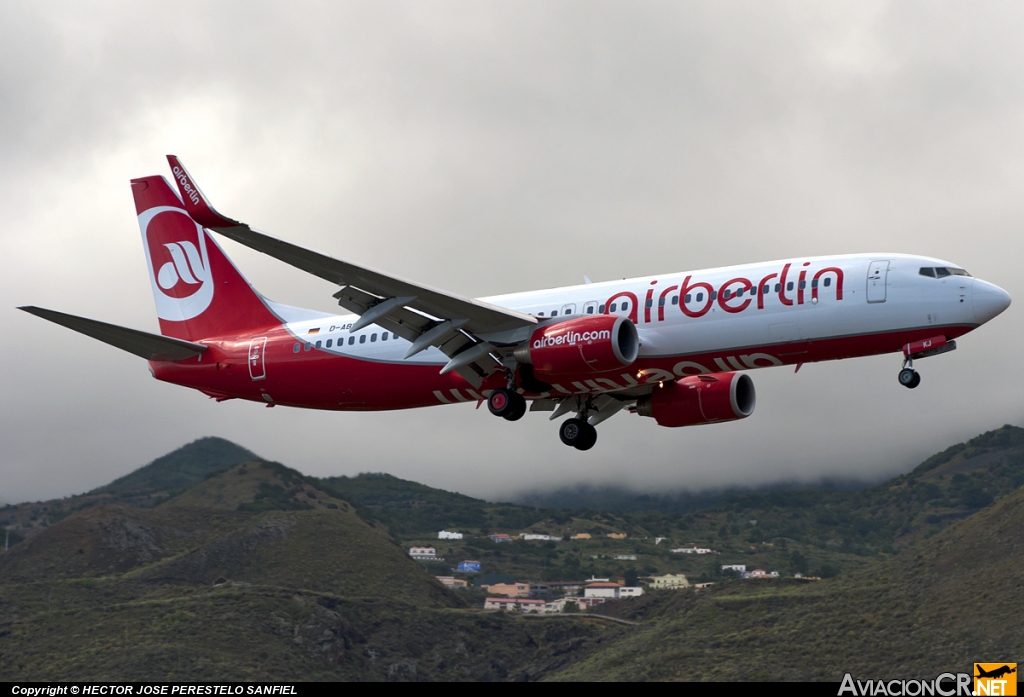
581,346
700,399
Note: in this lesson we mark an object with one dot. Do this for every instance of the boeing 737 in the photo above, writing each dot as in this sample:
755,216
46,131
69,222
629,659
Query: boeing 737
675,347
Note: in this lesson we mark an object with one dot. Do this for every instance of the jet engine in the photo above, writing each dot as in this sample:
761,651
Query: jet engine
700,399
581,346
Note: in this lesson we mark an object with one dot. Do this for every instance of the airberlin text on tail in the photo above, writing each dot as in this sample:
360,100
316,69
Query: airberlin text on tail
199,294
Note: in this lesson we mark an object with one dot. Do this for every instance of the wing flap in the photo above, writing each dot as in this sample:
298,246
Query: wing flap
152,347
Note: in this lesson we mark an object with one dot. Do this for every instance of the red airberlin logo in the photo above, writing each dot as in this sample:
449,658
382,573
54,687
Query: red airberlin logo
179,267
178,264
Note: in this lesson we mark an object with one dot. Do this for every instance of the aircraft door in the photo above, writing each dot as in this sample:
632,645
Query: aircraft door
878,272
257,365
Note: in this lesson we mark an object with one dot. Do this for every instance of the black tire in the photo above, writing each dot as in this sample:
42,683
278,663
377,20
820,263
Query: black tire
907,376
571,431
916,381
518,408
587,440
501,401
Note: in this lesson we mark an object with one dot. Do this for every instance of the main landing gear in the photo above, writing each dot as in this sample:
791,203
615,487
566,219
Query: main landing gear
577,433
574,432
909,377
507,404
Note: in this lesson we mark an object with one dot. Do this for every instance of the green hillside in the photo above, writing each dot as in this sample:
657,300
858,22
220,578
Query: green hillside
255,573
255,523
179,470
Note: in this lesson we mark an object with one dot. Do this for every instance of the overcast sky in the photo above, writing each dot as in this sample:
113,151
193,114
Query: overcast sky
488,148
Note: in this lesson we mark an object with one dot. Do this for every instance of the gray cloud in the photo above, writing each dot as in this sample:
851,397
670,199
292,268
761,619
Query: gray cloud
488,148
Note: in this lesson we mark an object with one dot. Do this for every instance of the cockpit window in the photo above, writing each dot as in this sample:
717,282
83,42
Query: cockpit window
942,271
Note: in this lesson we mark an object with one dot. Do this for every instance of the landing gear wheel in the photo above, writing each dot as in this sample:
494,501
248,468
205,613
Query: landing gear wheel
571,431
589,437
518,408
910,378
501,402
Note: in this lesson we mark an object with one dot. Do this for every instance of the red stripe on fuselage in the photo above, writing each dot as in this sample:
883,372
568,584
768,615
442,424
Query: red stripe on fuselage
318,379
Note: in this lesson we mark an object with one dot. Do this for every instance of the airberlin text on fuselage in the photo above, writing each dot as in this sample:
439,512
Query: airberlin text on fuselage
736,294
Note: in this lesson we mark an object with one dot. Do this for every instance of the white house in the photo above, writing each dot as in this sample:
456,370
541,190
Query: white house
424,553
626,557
531,536
445,535
524,604
559,605
691,550
761,573
611,590
734,567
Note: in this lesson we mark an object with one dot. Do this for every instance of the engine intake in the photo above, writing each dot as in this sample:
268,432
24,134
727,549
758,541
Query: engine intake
583,345
700,399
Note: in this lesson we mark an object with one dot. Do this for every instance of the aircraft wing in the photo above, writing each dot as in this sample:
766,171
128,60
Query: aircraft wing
422,315
152,347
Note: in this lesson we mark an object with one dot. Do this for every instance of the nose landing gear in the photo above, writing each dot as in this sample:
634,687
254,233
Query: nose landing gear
909,377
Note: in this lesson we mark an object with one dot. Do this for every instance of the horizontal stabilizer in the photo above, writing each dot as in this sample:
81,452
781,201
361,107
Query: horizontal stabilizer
152,347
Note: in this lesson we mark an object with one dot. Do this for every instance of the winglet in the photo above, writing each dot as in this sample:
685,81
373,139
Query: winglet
196,203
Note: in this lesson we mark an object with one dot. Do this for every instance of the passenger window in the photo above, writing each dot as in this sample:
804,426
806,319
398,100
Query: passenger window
384,336
766,289
927,271
394,336
351,340
828,282
675,299
700,297
803,284
600,310
540,314
789,286
649,303
739,293
318,344
714,295
625,307
308,346
661,302
296,348
373,337
554,313
614,307
590,309
778,287
686,298
941,272
814,283
362,338
330,342
726,295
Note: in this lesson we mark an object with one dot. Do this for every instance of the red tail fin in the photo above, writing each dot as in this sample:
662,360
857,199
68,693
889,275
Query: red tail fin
198,291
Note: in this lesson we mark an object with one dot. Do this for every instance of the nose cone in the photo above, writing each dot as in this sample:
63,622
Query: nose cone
989,300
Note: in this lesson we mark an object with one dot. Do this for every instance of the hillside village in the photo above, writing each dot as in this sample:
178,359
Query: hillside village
560,595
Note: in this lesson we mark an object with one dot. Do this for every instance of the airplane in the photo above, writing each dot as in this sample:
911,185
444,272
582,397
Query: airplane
674,347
